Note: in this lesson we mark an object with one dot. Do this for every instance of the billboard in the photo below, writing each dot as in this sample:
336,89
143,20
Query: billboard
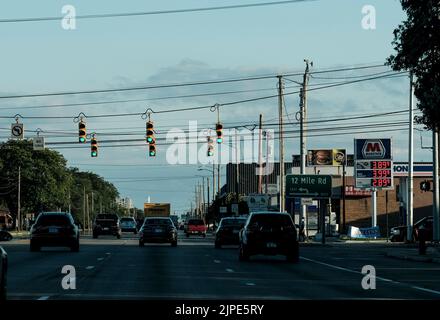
326,157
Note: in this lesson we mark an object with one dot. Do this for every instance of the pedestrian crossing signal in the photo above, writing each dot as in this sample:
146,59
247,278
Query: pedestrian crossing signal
425,186
82,132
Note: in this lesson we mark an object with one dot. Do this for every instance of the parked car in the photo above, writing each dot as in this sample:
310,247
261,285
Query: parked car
159,230
106,224
128,224
228,231
196,226
398,234
269,233
5,235
3,273
55,229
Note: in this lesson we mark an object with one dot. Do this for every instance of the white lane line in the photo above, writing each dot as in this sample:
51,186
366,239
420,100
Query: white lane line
217,261
229,270
100,259
107,253
43,298
90,267
251,284
379,278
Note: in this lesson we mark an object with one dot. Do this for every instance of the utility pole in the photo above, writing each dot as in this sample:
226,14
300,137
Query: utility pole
435,194
214,196
409,211
237,171
19,199
303,127
87,210
260,155
207,189
281,141
93,205
218,178
203,197
84,209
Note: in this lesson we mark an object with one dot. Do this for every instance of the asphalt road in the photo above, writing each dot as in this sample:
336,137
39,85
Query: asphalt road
107,268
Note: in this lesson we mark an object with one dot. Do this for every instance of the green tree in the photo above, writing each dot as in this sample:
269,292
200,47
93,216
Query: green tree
417,43
44,179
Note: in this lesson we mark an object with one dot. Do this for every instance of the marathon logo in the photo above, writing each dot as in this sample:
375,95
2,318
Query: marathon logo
373,149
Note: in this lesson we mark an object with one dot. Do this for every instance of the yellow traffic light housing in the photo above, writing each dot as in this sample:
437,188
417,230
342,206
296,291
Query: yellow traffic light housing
94,147
82,132
219,130
150,132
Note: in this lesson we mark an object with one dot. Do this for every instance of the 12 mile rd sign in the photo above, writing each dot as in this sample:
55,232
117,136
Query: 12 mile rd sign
308,186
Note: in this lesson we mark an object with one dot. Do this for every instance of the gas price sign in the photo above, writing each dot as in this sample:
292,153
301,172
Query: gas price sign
371,173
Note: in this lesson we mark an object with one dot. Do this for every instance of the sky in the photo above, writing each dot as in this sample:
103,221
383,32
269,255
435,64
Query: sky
41,57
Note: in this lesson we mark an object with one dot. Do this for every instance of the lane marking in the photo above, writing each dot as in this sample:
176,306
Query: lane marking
43,298
100,259
90,267
379,278
251,284
229,270
217,261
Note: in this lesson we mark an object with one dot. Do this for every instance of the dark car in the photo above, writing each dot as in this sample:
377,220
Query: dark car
5,235
106,224
269,233
128,225
228,231
398,234
159,230
54,229
3,273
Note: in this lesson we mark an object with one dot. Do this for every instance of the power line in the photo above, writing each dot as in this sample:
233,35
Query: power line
160,12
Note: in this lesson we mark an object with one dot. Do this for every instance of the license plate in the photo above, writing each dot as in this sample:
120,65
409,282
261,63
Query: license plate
157,230
105,229
53,230
271,245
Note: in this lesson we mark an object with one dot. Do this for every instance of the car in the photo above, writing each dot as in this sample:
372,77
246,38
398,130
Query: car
228,231
54,229
175,220
398,234
106,224
196,226
269,233
158,230
3,273
5,235
128,224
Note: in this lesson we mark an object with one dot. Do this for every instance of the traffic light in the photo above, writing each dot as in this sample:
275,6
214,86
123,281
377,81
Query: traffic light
425,185
94,147
150,132
219,130
82,132
152,151
210,151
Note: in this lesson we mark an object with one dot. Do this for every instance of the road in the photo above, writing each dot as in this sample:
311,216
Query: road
107,268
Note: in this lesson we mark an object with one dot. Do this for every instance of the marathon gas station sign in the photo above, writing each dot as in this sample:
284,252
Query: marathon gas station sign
420,169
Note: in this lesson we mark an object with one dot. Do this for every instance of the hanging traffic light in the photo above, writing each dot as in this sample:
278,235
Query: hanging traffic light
152,150
94,147
219,130
210,151
150,132
82,132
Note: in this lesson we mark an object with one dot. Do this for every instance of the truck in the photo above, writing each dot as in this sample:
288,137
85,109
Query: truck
157,210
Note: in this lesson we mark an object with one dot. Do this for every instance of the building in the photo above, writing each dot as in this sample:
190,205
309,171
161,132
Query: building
126,202
391,204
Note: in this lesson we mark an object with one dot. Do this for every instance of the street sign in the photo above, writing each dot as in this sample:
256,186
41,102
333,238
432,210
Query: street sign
223,209
257,202
17,131
308,186
272,188
373,165
234,208
306,201
38,143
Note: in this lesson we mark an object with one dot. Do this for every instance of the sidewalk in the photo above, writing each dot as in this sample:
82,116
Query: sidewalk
19,235
412,254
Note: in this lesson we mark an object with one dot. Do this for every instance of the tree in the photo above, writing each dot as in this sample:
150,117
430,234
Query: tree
44,179
417,42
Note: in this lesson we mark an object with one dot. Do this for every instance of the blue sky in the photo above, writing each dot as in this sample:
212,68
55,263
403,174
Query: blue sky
123,52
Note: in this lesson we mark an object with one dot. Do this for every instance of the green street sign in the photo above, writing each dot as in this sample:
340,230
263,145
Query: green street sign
308,186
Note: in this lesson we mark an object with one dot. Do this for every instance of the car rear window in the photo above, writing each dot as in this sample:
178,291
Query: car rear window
107,217
53,220
271,220
126,220
233,222
196,222
165,222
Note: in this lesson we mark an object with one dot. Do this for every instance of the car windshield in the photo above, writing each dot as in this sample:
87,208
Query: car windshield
53,220
163,222
271,220
107,217
196,222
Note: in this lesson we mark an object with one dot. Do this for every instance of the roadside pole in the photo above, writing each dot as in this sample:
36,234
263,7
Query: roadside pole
410,190
281,141
435,194
374,207
260,155
19,200
84,210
